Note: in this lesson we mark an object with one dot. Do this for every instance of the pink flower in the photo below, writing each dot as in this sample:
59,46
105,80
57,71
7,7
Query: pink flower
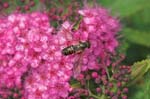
100,29
31,56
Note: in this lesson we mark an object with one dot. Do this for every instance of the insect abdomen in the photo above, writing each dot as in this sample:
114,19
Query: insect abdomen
75,48
68,50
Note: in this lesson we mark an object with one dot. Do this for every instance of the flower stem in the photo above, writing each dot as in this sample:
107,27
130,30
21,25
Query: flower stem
93,95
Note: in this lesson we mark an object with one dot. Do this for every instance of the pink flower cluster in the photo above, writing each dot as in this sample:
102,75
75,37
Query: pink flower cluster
100,29
30,55
28,47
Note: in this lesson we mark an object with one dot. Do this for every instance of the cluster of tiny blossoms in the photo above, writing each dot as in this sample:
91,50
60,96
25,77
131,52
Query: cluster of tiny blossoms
100,29
31,57
30,51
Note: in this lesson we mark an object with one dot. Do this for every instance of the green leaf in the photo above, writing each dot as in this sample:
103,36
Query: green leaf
141,89
138,37
139,69
128,7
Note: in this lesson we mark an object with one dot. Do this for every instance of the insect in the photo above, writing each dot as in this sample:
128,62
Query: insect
73,49
76,48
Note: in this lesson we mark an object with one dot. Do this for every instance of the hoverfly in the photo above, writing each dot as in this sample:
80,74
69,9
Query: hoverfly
76,49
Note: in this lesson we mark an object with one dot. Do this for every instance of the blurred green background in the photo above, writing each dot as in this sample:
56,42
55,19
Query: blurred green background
135,19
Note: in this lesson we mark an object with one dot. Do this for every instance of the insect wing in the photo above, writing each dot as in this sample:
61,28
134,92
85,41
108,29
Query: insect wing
77,65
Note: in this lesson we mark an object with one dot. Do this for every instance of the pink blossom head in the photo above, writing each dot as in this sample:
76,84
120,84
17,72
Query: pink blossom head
100,29
31,56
